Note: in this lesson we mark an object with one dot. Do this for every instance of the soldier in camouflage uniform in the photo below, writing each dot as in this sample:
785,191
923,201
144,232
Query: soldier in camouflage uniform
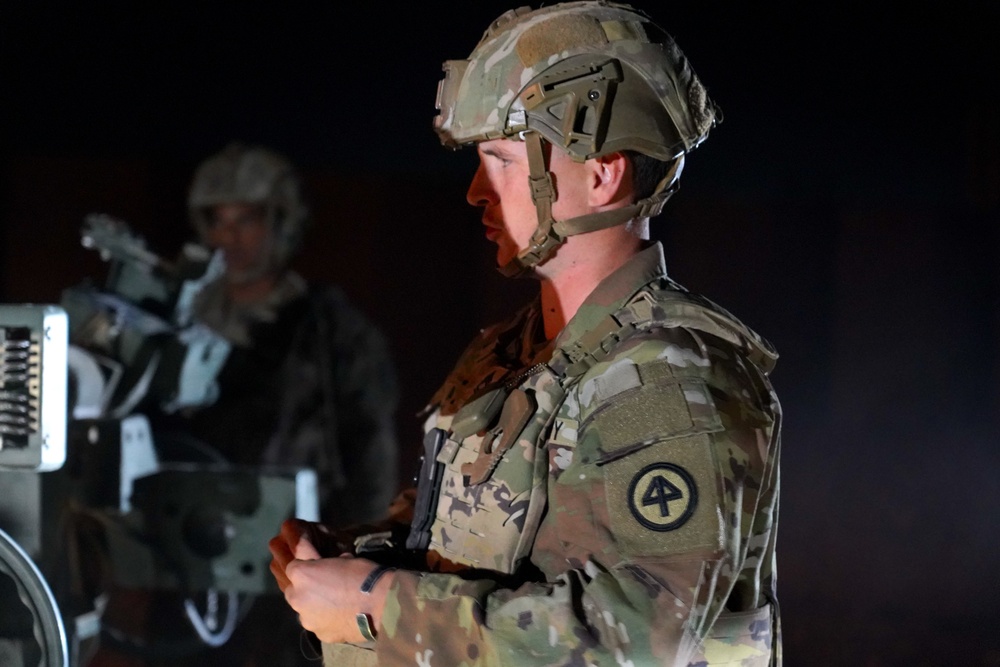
600,481
308,382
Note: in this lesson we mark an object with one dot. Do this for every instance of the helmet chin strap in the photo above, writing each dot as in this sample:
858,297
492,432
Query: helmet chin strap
550,233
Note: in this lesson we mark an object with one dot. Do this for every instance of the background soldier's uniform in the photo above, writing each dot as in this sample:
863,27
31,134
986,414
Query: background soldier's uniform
312,385
308,382
624,506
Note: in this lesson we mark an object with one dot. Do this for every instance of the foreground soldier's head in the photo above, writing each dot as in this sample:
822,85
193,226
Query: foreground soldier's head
570,95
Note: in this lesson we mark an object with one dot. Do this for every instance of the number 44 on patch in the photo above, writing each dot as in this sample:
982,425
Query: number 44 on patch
662,496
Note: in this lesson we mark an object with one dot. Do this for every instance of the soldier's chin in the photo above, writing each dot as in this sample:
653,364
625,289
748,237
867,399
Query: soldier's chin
506,252
240,277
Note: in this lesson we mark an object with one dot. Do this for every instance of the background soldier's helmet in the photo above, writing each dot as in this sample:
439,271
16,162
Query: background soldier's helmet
252,175
592,78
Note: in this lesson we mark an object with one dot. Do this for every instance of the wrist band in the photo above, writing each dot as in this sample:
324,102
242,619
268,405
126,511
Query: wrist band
369,583
365,626
364,621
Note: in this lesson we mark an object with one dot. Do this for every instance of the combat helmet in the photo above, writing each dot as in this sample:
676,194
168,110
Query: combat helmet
591,78
252,175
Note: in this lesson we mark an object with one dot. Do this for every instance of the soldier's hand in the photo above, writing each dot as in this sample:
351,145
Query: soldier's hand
304,540
326,594
294,541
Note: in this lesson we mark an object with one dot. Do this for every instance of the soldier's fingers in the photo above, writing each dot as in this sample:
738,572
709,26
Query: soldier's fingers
304,550
292,530
280,552
278,571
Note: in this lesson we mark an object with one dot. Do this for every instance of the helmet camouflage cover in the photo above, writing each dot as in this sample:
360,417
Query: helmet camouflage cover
251,175
592,78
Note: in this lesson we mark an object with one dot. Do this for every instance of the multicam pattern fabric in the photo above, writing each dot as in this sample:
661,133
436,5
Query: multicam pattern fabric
315,387
514,81
630,521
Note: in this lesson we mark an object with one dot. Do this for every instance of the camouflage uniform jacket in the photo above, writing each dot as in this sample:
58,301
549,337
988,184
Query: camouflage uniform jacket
315,387
619,510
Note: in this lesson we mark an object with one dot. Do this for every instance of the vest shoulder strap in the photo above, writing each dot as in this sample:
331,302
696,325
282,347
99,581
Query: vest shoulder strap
667,305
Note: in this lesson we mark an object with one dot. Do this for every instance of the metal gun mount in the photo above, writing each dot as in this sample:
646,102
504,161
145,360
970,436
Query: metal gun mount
180,527
142,277
33,392
74,444
138,333
113,239
47,637
33,350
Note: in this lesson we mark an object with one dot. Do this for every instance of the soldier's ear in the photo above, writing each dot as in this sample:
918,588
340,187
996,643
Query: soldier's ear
610,180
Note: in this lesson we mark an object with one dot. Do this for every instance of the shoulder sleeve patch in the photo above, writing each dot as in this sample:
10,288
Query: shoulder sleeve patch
664,500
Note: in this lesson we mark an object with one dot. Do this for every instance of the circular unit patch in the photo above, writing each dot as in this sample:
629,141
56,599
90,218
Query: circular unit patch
662,496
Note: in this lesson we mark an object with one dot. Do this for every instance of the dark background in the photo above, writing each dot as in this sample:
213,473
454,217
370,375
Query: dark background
846,208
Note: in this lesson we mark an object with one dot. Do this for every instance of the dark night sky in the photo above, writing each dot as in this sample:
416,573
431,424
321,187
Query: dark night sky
859,153
866,104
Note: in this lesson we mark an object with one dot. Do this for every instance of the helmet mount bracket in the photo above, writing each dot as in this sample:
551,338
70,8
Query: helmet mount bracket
571,106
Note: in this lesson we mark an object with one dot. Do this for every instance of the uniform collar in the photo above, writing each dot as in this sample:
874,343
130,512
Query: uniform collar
235,321
612,293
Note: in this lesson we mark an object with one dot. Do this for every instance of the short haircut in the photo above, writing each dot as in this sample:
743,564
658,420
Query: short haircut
647,172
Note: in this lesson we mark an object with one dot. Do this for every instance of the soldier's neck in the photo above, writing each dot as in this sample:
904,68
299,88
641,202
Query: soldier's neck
250,291
570,279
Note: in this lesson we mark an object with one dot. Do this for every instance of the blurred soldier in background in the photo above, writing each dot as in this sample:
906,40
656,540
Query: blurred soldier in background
600,481
308,381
